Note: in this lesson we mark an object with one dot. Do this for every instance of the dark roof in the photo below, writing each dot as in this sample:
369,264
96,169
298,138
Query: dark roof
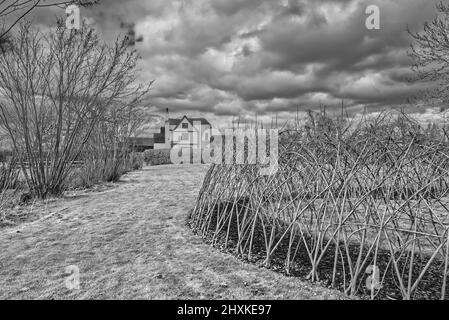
140,141
176,122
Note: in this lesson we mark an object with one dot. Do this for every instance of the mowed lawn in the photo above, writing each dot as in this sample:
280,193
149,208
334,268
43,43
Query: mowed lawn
131,242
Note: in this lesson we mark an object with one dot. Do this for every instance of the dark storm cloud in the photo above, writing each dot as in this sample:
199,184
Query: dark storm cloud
240,57
340,43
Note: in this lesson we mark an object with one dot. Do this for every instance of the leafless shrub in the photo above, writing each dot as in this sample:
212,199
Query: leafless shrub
157,157
429,51
107,156
9,174
60,87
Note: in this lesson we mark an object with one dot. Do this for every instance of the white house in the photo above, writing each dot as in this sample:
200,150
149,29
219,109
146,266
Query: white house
185,133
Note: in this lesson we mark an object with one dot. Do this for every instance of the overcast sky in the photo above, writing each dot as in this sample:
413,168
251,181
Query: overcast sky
228,58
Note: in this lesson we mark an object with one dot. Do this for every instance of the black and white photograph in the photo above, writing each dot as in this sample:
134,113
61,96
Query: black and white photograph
208,151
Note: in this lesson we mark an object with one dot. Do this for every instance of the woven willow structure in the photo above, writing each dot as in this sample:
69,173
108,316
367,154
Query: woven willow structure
363,209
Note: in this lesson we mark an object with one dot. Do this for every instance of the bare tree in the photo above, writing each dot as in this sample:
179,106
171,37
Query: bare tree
58,87
430,53
108,149
16,10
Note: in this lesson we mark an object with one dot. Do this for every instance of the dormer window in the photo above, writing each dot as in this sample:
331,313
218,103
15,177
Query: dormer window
185,126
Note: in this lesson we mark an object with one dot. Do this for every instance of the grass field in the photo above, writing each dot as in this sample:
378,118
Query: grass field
131,242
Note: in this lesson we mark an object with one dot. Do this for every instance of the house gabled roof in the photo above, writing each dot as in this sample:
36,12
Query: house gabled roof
202,120
177,122
174,122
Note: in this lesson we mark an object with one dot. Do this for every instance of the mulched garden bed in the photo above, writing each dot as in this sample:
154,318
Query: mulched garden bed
428,289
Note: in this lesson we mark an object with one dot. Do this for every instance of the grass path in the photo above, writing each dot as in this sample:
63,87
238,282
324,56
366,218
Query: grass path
131,242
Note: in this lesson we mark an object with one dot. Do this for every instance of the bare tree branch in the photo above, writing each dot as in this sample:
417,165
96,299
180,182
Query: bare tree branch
59,89
21,8
430,52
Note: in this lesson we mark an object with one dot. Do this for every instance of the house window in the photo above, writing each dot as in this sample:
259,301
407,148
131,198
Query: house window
185,126
206,137
185,136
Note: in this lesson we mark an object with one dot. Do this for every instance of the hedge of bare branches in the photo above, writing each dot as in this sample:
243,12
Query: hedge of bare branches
362,208
62,91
